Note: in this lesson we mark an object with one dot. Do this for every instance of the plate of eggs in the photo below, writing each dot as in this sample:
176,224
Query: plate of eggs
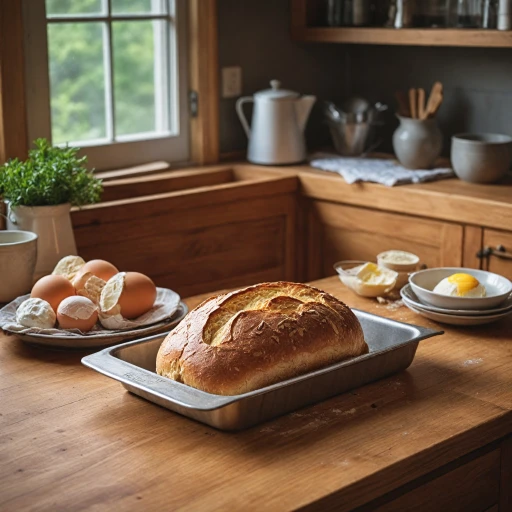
89,304
459,296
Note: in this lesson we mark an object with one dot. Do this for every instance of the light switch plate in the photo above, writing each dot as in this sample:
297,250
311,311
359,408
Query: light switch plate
231,82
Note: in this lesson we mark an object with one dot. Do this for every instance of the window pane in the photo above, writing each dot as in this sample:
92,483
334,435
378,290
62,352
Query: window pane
139,76
77,81
138,6
74,7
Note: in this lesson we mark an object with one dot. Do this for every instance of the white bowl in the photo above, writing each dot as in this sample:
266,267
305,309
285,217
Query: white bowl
423,282
347,276
399,261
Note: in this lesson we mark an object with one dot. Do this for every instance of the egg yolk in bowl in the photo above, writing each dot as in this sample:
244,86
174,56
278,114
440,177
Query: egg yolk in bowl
460,285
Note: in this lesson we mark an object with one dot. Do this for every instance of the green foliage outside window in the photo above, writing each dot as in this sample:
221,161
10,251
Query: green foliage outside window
78,72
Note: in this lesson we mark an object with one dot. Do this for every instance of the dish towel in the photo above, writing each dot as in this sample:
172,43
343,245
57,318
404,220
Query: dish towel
379,170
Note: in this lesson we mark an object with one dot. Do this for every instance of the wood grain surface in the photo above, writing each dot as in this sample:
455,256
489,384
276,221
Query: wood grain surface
340,232
72,439
199,239
450,200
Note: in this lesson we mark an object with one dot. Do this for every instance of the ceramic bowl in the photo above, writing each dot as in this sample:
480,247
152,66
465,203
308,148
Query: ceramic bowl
423,282
481,158
345,270
401,262
18,255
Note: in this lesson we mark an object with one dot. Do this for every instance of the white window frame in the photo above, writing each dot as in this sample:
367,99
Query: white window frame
172,147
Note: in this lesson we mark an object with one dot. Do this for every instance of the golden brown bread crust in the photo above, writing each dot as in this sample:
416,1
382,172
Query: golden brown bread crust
251,338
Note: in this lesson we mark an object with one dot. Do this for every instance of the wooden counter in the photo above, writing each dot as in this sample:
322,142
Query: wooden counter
437,435
450,199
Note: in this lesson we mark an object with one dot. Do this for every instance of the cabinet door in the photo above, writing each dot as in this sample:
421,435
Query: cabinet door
338,232
494,263
193,250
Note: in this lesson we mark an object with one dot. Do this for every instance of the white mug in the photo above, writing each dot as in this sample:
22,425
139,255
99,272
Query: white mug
18,255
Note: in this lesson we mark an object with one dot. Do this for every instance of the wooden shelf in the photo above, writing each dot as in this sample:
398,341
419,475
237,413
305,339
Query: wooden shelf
410,37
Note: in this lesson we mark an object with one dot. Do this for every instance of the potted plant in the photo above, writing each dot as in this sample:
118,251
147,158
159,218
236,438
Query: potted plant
40,192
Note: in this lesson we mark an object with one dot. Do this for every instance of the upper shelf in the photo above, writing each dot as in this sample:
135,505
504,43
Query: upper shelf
410,36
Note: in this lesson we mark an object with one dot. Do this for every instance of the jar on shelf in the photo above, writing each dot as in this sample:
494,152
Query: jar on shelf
489,14
433,14
465,13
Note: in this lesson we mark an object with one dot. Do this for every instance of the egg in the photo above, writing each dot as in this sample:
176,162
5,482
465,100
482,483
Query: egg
69,266
35,313
88,286
99,268
460,285
77,313
129,294
53,289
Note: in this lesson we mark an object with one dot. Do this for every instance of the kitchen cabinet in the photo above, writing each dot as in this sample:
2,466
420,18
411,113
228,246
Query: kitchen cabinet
340,232
205,230
307,17
497,251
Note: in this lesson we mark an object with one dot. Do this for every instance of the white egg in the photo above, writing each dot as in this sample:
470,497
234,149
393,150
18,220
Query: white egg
460,285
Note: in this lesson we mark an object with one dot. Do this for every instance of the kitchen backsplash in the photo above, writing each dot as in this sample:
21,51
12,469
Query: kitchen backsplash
255,35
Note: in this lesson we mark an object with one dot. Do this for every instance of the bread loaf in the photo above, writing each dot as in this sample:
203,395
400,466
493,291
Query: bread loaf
251,338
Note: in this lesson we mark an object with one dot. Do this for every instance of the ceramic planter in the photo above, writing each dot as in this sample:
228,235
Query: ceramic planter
52,224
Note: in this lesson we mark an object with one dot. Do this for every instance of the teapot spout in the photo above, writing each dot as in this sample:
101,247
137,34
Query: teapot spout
303,108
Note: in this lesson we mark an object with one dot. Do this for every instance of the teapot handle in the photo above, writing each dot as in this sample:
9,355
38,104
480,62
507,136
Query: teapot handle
239,110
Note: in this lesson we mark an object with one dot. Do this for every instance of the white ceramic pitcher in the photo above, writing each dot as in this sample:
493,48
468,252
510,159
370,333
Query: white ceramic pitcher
278,122
52,224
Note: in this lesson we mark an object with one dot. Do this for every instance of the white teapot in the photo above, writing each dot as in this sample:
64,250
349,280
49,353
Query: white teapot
278,123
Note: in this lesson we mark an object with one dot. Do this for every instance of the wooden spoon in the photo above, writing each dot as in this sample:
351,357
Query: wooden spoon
421,104
434,101
403,104
413,103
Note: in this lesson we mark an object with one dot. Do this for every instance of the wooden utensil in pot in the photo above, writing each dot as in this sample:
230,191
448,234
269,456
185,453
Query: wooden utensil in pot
434,101
413,103
403,104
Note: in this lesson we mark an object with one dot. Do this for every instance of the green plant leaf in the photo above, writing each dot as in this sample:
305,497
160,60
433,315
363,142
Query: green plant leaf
50,176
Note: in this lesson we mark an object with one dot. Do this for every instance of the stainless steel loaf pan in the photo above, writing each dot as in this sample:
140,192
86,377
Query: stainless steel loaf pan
392,348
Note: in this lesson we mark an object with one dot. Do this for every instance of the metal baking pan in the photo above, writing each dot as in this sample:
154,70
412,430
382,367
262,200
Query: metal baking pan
392,348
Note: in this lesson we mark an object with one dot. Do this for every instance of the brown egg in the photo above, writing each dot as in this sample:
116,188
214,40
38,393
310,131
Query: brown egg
133,292
99,268
53,289
77,313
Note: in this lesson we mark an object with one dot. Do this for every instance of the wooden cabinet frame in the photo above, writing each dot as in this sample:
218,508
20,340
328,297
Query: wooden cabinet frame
203,70
301,11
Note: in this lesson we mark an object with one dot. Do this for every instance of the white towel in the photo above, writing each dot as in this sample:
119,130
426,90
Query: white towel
379,170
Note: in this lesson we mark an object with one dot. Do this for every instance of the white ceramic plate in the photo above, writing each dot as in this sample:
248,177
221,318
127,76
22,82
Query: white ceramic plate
102,340
456,319
407,294
423,282
166,314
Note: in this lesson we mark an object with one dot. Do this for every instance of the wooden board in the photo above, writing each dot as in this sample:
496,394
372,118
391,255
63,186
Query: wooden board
409,37
450,200
199,239
13,128
494,239
73,439
472,487
340,232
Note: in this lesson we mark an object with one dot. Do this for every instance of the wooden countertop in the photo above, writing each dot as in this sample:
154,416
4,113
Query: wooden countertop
450,199
72,439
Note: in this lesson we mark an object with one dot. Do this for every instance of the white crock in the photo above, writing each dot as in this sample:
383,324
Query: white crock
52,224
18,253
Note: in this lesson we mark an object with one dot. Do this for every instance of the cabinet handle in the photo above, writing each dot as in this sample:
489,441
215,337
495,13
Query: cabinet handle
499,252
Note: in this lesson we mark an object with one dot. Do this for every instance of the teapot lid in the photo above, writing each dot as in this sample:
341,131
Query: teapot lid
276,93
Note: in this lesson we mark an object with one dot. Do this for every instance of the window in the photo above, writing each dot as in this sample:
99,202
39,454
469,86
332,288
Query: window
109,76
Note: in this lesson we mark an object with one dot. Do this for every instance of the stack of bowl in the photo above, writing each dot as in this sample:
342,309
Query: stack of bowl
454,309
